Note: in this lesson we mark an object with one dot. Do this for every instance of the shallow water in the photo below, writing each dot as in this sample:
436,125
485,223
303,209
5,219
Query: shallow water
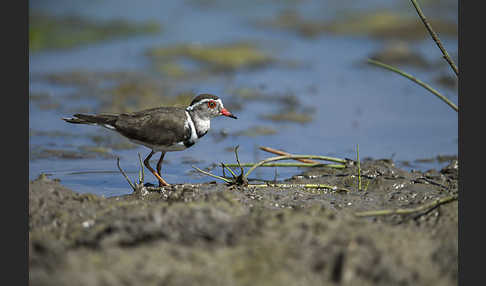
350,103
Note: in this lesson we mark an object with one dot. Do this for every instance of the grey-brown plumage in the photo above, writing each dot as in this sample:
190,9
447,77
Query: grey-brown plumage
163,128
92,119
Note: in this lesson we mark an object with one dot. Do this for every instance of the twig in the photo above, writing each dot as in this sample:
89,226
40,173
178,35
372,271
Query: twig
141,173
431,205
238,159
429,181
367,184
338,166
211,175
419,82
241,179
307,186
292,157
282,153
123,173
435,38
236,180
359,167
229,169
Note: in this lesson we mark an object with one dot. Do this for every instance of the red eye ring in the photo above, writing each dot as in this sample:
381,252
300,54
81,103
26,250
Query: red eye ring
211,104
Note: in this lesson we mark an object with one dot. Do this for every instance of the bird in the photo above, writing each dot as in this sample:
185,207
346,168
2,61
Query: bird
161,129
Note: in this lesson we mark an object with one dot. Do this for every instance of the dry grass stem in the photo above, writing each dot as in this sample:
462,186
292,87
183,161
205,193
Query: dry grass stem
435,38
212,175
283,153
272,159
307,186
141,173
124,175
298,165
419,82
359,168
242,178
424,207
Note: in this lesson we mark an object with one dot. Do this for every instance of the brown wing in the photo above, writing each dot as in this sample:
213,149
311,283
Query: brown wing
157,126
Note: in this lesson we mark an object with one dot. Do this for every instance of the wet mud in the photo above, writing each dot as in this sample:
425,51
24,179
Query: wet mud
214,234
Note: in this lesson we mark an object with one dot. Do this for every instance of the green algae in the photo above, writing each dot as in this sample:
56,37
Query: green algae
381,24
91,79
50,32
51,134
139,95
291,109
287,99
38,96
210,58
289,116
44,153
386,24
400,53
38,152
447,81
255,131
120,91
112,141
102,151
173,69
44,101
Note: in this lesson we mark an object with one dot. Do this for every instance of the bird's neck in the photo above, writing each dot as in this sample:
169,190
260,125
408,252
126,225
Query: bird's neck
201,123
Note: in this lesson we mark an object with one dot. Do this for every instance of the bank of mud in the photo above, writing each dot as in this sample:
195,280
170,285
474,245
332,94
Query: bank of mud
212,234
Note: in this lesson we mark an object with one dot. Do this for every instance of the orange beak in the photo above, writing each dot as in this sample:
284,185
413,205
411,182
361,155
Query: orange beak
225,112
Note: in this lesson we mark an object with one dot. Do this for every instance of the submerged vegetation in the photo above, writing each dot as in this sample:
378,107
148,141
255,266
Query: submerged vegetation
379,24
52,32
215,58
139,95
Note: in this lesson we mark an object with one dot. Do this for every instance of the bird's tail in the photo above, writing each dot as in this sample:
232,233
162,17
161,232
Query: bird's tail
104,120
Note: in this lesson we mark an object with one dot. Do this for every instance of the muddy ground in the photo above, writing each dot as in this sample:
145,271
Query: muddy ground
213,234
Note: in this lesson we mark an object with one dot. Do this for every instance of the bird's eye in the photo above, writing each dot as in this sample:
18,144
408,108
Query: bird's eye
211,104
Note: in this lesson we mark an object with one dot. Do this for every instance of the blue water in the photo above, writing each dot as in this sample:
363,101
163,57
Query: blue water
386,114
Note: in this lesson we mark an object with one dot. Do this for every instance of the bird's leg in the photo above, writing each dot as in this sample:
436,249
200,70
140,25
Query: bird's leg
159,167
162,182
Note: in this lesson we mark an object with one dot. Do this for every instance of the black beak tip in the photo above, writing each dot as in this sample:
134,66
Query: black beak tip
234,117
